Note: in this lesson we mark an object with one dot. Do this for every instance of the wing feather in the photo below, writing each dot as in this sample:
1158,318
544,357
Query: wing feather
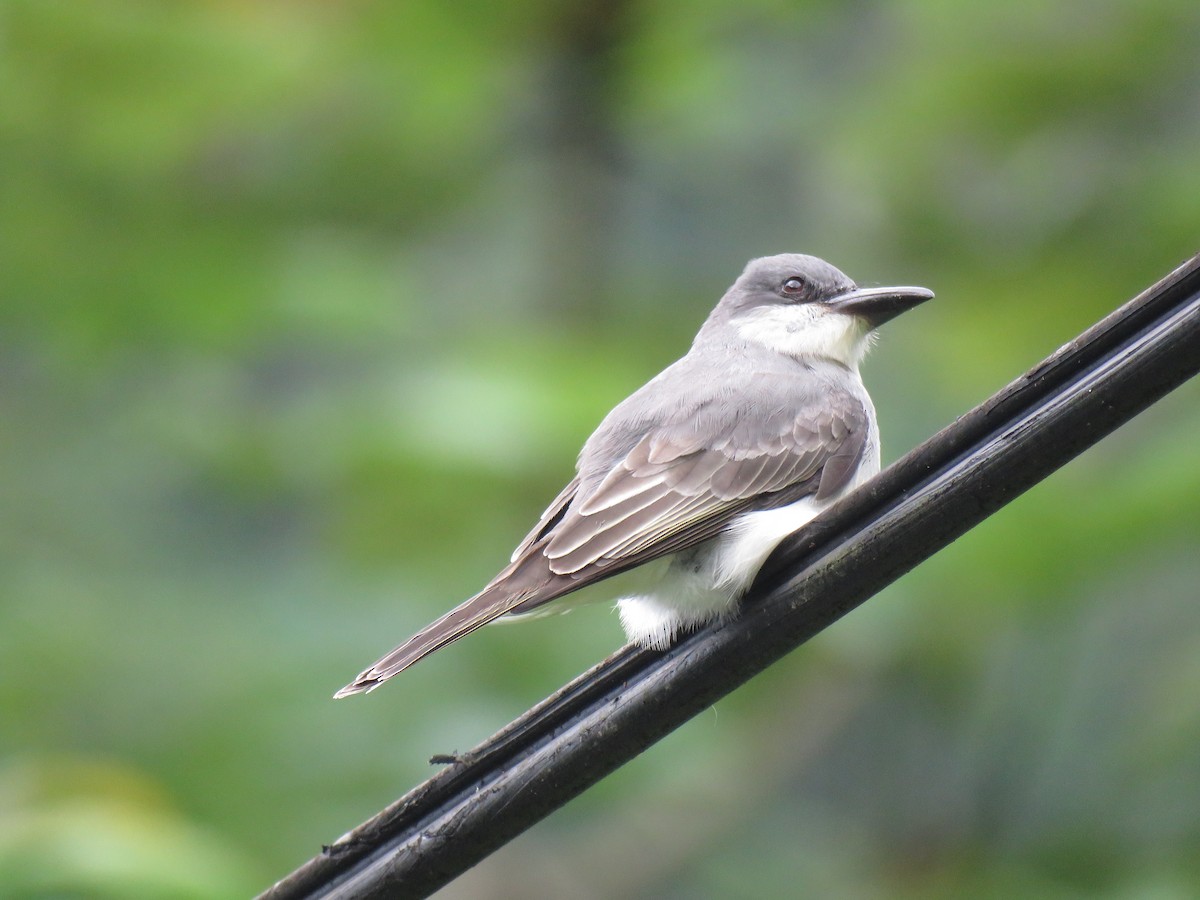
616,487
551,517
732,481
580,530
686,514
693,473
665,494
640,529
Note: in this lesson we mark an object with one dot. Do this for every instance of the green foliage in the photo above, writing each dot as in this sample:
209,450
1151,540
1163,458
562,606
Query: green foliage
306,307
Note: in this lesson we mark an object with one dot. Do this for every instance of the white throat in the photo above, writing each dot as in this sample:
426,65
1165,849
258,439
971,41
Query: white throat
807,330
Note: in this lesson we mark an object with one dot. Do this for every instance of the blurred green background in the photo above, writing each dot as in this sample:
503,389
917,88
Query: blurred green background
305,308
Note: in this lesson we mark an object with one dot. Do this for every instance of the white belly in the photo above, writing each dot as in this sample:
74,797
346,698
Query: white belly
703,584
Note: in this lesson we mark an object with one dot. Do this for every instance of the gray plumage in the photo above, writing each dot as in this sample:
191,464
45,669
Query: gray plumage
680,456
766,411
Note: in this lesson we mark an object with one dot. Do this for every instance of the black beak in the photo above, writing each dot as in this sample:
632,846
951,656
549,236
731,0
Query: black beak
878,305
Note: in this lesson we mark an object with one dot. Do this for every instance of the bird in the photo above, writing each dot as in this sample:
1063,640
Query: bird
688,484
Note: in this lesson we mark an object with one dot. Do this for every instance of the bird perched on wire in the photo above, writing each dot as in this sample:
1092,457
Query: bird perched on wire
694,479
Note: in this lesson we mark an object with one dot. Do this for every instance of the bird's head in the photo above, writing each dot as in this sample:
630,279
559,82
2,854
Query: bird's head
803,307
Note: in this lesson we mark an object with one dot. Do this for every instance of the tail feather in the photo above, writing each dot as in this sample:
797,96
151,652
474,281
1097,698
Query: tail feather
490,603
525,584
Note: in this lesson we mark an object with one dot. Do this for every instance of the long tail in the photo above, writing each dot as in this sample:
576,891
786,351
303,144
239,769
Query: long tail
527,581
493,601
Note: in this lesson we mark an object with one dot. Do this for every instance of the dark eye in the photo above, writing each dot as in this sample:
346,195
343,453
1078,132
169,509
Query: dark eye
794,286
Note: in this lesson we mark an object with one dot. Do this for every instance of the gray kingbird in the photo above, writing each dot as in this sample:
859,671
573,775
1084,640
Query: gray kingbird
706,468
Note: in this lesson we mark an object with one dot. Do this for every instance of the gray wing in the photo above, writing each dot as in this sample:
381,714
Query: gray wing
683,480
554,512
